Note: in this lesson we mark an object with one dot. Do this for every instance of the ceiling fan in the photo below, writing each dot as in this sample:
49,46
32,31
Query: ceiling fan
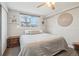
49,4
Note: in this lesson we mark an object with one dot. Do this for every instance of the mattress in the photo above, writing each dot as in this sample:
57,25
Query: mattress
26,39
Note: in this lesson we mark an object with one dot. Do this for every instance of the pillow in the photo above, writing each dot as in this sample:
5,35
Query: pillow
26,32
32,32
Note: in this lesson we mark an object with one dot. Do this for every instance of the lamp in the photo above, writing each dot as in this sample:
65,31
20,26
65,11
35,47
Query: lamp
51,5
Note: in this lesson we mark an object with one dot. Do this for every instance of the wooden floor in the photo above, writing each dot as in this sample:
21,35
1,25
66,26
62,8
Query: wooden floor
12,51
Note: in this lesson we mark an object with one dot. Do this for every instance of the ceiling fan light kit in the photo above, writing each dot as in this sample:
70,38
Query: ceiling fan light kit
51,5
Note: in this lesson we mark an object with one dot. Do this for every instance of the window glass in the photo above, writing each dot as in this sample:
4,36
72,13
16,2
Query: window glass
29,21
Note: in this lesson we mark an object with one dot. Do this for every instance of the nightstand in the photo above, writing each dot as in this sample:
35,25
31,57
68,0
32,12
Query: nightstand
76,47
13,41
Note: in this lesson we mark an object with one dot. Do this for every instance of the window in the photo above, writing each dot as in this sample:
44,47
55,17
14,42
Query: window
29,21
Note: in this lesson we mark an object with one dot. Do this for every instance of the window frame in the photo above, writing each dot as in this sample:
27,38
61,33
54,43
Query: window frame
28,23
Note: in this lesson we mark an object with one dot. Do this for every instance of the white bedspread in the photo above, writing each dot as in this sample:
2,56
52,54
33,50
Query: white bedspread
26,39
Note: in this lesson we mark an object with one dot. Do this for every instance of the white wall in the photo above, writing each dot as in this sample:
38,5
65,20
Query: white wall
13,29
4,29
70,33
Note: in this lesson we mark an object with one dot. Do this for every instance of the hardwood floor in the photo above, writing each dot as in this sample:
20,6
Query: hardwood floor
12,51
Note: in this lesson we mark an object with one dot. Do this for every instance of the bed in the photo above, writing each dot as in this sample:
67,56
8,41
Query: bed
25,39
44,45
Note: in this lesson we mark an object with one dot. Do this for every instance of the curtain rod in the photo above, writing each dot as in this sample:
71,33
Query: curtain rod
62,12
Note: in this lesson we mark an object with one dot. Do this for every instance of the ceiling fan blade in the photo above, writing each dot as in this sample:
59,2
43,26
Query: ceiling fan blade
50,5
38,6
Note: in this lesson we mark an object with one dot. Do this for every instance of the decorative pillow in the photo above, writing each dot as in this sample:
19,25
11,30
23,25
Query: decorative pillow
32,32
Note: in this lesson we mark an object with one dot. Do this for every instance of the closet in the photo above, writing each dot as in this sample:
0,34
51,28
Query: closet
0,30
3,28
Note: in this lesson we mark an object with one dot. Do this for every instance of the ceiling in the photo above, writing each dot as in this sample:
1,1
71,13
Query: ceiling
30,7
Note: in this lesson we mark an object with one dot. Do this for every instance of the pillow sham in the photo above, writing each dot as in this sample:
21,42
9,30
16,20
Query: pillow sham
32,32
